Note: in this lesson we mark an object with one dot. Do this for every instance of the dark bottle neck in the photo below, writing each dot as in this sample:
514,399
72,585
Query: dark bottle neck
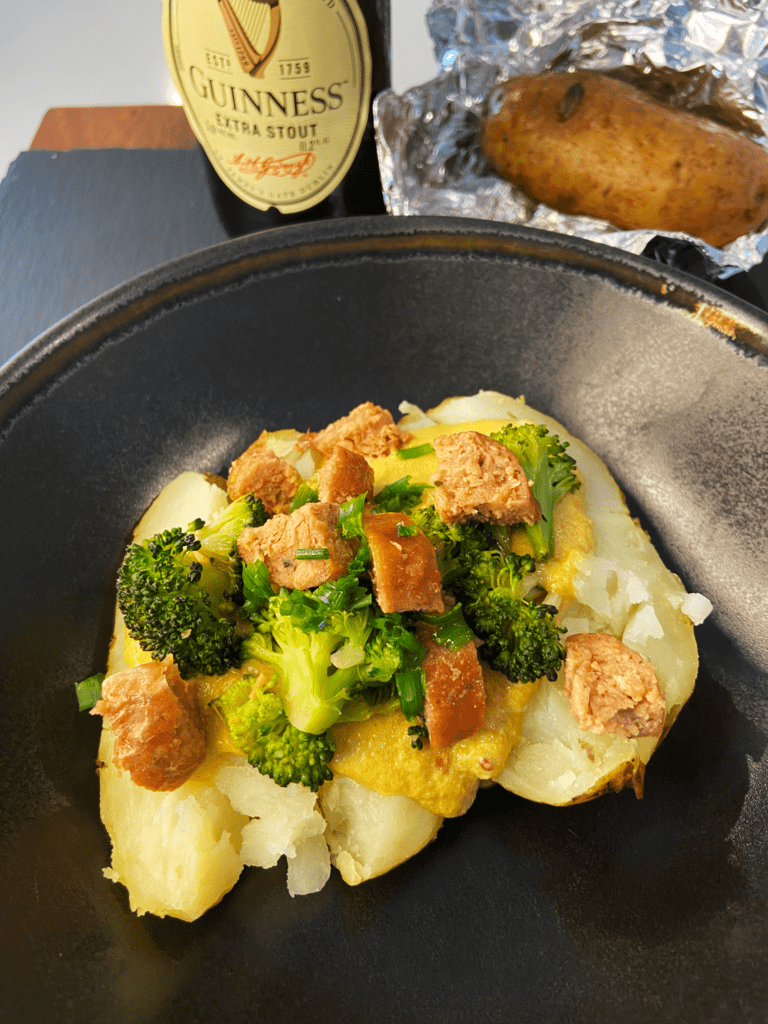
378,18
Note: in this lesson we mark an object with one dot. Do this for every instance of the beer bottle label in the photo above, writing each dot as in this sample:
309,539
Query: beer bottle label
276,91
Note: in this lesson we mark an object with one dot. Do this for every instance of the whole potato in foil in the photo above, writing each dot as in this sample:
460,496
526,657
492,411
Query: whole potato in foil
584,143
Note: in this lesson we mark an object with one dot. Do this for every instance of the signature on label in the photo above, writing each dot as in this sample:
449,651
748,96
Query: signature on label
277,167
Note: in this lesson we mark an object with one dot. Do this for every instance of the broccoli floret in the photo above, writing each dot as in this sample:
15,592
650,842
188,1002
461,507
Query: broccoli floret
520,636
259,726
218,542
457,543
177,591
544,461
391,647
498,595
327,646
313,690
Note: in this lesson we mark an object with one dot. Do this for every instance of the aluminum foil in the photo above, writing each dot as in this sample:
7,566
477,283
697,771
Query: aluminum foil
711,55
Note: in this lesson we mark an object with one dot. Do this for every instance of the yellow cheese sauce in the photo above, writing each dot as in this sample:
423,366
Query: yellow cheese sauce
378,754
133,654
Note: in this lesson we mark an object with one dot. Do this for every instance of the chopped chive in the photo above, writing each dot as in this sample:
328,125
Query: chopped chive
416,452
350,524
308,554
407,529
303,496
350,520
257,589
88,691
400,496
410,685
452,630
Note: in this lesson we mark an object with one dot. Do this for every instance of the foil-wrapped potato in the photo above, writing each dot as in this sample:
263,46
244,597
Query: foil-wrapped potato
589,144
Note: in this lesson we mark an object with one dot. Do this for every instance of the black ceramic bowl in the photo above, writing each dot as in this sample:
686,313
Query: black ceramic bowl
614,910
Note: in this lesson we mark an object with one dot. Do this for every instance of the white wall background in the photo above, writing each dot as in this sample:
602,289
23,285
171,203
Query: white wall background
69,53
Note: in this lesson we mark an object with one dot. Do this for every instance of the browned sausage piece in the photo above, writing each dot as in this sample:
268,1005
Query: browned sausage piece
344,475
158,727
313,527
479,478
261,472
368,430
454,702
405,573
611,688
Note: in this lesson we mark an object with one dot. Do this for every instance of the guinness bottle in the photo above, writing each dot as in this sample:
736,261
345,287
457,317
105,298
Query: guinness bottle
279,94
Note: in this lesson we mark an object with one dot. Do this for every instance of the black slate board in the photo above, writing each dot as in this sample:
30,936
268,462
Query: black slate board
74,225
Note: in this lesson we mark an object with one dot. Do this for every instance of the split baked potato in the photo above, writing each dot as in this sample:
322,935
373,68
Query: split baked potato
178,852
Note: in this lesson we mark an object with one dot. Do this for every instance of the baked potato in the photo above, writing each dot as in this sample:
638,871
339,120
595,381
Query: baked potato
178,852
589,144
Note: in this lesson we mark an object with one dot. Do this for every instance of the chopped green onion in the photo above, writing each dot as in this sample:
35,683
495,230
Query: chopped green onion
309,554
350,520
407,529
400,496
257,589
411,684
416,452
88,691
452,629
304,495
350,523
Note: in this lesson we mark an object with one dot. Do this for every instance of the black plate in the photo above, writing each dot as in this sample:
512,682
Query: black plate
615,910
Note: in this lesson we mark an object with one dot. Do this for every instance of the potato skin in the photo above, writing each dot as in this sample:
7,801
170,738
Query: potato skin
584,143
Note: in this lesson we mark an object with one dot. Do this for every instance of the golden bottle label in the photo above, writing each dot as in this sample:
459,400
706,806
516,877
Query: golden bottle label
276,91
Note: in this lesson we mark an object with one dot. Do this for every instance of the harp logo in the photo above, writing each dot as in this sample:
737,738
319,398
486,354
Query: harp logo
277,92
254,28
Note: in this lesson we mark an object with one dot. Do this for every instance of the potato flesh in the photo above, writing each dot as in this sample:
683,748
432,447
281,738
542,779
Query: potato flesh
369,834
614,153
280,822
176,853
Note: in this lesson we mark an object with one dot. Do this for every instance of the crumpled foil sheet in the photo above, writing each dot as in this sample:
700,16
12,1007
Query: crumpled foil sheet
429,155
